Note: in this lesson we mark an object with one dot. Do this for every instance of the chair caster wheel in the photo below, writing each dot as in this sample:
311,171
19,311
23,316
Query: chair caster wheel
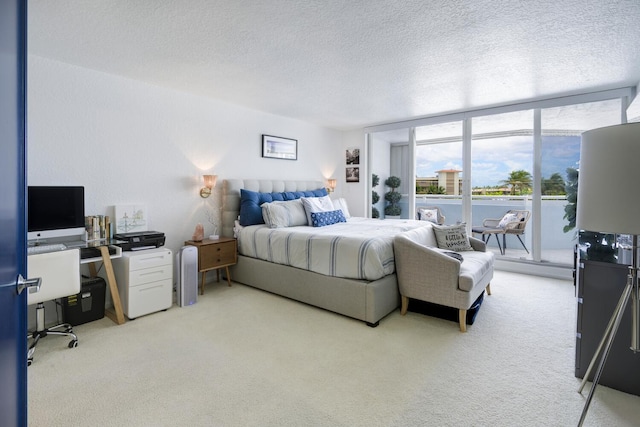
29,362
73,343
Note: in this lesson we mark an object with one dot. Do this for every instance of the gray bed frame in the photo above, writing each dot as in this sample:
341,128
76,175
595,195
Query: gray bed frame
364,300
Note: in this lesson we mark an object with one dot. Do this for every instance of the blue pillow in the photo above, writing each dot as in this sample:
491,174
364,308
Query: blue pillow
250,201
320,219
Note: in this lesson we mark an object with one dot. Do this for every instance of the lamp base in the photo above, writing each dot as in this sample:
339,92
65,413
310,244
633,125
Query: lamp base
630,292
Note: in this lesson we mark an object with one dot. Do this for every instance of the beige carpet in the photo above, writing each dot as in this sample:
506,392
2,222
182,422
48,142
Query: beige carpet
243,357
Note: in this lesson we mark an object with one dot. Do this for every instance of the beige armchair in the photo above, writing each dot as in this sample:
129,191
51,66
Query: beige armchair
428,274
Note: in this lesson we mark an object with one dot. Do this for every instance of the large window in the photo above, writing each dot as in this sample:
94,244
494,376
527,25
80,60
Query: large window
439,171
480,164
560,160
502,175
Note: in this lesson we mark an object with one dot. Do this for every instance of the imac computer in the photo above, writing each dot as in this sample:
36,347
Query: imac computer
55,213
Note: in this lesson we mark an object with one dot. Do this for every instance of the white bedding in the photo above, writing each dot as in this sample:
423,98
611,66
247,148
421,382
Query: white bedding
361,248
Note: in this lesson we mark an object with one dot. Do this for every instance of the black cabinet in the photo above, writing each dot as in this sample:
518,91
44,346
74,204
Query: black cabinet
599,287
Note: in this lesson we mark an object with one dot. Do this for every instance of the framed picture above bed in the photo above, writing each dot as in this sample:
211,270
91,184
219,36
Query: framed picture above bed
276,147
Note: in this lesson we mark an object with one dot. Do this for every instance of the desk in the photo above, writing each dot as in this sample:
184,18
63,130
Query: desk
117,315
215,254
105,257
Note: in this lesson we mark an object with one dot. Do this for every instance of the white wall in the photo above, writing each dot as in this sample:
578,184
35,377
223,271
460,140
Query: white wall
129,142
354,192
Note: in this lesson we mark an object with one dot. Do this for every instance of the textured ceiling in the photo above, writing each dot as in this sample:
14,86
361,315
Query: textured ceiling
350,64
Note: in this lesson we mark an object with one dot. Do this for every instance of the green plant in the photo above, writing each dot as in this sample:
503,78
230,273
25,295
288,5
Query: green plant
393,197
375,197
519,181
571,188
434,189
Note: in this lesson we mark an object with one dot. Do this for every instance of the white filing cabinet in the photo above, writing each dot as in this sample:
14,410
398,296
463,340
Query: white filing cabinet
145,281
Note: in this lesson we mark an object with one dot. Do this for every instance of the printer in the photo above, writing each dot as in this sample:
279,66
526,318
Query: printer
139,240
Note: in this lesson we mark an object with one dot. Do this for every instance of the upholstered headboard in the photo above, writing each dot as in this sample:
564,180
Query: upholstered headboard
231,195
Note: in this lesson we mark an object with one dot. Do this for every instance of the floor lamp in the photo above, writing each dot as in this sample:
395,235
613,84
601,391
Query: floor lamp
609,202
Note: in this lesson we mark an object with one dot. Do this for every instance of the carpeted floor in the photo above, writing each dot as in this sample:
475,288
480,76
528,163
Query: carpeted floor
243,357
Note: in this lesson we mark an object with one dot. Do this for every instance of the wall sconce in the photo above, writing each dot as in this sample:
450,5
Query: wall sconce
209,183
331,185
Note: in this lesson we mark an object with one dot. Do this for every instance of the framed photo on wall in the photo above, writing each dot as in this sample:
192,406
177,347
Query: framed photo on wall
353,174
276,147
353,156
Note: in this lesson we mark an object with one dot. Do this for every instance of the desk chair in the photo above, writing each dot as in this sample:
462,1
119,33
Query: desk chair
60,274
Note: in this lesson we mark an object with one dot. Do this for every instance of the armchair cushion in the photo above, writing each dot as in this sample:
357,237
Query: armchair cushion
452,237
475,266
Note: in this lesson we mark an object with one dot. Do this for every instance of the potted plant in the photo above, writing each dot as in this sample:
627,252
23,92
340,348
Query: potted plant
593,245
393,197
375,197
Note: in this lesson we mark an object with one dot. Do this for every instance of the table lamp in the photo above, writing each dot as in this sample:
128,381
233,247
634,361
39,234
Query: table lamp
609,202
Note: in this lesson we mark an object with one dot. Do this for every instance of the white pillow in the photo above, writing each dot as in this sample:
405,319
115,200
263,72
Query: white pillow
510,217
452,237
316,204
428,215
342,205
289,213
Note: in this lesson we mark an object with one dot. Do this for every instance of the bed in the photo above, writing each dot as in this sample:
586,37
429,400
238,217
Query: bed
317,265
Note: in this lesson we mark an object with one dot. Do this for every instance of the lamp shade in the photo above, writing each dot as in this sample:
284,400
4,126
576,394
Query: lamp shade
210,180
609,180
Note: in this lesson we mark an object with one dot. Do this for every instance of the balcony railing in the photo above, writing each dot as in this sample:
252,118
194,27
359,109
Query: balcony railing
556,245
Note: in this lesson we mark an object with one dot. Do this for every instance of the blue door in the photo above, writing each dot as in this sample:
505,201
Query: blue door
13,306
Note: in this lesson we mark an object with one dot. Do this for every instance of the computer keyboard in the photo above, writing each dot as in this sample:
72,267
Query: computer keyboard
39,249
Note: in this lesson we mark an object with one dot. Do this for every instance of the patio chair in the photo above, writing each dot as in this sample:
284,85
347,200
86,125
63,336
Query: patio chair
513,222
430,213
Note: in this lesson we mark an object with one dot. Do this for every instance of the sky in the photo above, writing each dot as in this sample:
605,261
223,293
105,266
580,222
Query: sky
494,159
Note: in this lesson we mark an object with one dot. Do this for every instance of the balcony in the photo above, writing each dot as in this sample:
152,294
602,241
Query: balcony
556,245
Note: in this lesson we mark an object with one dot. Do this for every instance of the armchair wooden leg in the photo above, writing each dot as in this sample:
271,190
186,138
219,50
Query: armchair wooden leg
405,304
462,316
488,289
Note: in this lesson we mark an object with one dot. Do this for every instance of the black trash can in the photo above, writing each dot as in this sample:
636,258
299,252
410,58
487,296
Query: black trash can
88,305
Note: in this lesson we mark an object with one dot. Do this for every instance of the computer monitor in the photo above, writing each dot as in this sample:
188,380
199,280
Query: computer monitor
55,212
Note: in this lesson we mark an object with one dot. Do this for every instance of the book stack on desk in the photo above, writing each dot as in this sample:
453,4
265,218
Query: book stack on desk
97,226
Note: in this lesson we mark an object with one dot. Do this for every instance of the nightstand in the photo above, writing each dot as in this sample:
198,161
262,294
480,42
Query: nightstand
215,254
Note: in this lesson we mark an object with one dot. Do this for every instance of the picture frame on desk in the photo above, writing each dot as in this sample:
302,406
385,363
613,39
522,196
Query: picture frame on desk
130,218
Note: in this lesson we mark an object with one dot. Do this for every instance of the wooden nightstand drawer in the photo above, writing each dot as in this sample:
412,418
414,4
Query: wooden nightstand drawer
217,255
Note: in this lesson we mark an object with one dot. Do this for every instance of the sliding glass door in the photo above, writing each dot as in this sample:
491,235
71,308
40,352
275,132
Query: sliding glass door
439,171
502,177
